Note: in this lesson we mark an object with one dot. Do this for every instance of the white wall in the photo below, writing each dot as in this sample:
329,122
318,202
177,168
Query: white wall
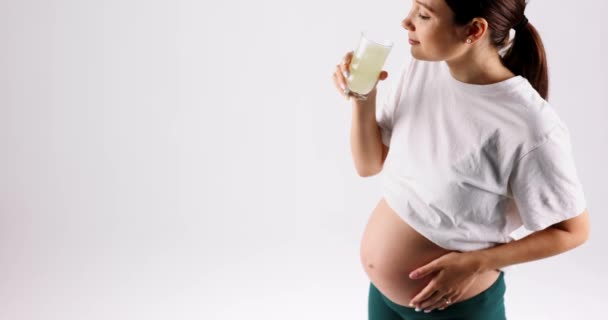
191,160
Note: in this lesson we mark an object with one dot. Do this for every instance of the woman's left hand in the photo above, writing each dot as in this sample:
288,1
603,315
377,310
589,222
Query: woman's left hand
455,273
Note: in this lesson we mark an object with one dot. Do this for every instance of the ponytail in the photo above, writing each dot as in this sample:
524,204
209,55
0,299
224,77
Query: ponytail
527,57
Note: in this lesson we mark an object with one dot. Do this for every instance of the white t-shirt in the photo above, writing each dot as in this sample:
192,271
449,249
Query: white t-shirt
469,164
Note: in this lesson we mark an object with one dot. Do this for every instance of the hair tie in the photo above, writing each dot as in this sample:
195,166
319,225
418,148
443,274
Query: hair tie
521,24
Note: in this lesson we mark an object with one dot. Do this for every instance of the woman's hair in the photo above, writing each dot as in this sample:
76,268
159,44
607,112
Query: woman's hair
526,56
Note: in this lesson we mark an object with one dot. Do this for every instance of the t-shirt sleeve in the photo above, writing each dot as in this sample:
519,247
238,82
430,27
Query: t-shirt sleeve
545,184
386,112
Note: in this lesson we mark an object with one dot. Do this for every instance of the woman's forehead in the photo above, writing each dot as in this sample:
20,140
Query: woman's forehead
438,7
427,4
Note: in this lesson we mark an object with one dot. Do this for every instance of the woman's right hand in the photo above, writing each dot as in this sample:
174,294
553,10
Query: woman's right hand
343,71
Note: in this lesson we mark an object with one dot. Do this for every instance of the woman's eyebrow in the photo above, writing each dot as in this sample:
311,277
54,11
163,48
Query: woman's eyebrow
426,6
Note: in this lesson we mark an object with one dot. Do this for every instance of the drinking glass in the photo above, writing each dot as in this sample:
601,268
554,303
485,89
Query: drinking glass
366,64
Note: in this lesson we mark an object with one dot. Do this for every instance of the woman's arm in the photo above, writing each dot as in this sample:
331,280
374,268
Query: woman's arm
365,138
551,241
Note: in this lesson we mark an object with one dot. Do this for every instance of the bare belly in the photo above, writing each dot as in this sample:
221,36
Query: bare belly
391,249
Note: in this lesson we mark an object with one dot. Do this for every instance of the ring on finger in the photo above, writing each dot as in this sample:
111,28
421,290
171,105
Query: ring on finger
437,305
446,302
436,301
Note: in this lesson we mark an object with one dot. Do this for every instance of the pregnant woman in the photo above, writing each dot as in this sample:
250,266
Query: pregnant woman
469,150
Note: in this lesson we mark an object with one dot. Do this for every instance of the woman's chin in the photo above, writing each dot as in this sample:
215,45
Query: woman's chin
415,51
418,55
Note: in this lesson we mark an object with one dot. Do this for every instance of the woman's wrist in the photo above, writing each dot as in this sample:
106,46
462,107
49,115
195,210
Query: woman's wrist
480,261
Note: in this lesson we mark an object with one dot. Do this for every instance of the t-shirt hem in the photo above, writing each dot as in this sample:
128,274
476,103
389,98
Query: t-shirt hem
392,203
397,209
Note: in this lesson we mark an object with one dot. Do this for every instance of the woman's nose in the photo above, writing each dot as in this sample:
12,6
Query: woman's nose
407,24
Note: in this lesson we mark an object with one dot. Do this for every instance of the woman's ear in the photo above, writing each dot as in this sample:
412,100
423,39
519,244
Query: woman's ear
476,29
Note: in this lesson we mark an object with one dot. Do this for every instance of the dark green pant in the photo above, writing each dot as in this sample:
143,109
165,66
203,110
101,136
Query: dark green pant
487,305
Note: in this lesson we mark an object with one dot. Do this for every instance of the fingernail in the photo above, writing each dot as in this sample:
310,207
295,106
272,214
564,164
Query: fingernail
417,309
427,311
346,73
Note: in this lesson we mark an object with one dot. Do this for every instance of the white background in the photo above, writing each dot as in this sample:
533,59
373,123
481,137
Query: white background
191,159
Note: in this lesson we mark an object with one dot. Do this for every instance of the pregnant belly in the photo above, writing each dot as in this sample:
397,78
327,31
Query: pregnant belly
391,249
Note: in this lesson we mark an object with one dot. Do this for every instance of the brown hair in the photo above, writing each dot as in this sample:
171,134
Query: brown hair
526,56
